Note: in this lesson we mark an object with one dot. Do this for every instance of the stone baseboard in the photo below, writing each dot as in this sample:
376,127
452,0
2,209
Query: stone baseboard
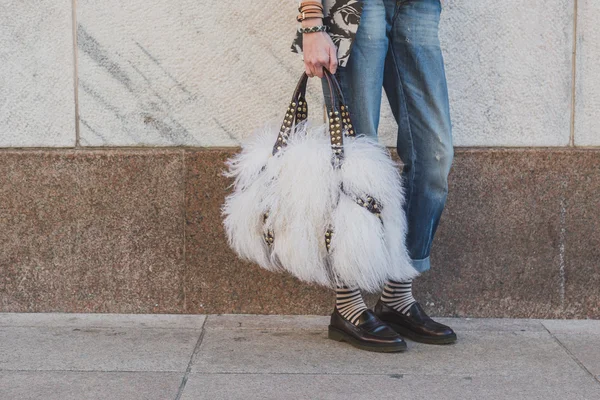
139,231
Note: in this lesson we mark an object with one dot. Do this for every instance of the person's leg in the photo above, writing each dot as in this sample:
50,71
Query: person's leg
361,81
415,83
349,303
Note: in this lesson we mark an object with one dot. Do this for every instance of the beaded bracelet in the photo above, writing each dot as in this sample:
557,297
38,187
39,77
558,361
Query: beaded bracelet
312,29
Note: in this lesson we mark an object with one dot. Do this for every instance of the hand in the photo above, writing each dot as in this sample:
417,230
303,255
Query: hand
319,51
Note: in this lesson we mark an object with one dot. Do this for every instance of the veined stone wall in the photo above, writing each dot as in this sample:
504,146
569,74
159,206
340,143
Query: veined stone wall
116,117
204,73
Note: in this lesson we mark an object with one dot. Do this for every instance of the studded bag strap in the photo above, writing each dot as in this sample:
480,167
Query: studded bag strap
338,116
296,112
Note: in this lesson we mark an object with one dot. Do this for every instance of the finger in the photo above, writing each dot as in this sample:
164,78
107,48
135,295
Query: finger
333,62
308,70
318,70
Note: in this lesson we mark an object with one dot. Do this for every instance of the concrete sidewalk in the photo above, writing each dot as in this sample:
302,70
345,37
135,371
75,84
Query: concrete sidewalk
108,356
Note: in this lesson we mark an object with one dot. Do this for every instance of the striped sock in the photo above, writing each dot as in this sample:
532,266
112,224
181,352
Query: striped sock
398,295
349,303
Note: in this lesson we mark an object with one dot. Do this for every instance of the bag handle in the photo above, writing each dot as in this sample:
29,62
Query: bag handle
338,116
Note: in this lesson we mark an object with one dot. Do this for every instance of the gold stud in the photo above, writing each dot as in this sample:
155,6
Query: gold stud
328,240
278,147
336,112
299,103
375,205
293,104
330,113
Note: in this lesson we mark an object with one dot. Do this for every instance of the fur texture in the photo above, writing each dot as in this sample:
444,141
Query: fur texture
301,192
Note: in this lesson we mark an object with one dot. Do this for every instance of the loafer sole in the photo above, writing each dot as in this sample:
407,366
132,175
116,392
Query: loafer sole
341,336
415,337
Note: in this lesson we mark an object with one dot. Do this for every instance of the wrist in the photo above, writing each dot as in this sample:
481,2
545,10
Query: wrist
313,29
307,23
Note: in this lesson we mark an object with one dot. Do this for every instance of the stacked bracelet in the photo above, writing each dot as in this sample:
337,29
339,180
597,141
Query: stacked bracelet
309,14
312,29
309,9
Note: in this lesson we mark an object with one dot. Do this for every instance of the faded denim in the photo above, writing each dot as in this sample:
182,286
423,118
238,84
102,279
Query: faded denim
397,48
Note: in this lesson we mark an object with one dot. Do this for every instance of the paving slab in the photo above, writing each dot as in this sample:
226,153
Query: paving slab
573,326
481,353
104,356
348,387
51,385
96,349
586,348
581,338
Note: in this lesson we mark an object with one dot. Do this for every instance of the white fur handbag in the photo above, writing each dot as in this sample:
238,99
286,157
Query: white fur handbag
322,203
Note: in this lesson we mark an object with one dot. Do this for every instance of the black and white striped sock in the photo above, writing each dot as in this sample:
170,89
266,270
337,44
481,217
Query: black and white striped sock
398,295
349,303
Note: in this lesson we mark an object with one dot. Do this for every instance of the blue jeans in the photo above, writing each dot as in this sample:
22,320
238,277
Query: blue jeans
397,48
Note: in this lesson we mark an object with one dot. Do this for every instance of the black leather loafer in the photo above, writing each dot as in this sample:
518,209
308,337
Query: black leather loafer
369,334
415,325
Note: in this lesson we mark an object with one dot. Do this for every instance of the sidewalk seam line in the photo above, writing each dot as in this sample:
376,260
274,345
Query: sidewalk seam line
191,362
146,328
581,365
173,372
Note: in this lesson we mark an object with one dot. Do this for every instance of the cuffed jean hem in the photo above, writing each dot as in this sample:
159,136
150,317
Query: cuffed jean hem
421,265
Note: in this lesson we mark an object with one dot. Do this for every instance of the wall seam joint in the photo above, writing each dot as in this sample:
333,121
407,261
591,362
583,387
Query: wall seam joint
75,73
573,76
